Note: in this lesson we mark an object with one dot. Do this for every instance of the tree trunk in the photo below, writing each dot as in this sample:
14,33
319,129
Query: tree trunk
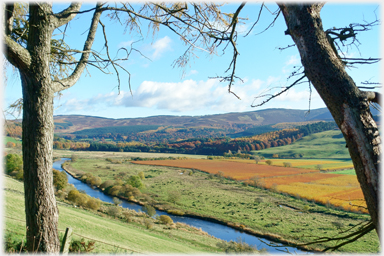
40,202
347,104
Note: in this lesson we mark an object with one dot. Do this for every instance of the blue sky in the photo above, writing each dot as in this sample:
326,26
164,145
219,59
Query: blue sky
160,89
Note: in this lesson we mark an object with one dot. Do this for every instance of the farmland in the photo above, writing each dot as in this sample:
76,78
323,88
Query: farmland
231,202
310,184
329,144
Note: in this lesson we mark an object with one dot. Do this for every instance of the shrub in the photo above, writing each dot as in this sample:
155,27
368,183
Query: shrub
236,247
257,159
60,179
174,196
148,223
135,181
114,190
165,219
107,184
74,158
13,162
287,164
306,208
337,224
78,198
95,181
259,200
141,175
80,246
268,162
116,201
176,212
149,209
114,211
256,181
93,204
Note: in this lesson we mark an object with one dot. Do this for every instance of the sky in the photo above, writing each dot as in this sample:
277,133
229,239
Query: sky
158,88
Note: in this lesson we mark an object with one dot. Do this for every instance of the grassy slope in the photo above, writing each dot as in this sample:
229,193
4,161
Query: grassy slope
235,203
111,231
327,144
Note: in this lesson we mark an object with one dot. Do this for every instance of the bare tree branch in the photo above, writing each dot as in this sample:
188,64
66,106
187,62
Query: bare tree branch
72,79
277,94
66,15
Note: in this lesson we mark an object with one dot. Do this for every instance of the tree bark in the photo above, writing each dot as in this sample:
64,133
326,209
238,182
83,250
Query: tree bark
40,202
348,105
38,126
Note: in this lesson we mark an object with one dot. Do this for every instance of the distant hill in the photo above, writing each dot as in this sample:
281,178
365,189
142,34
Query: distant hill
231,122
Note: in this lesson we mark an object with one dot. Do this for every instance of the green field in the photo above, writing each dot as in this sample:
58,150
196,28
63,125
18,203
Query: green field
10,139
329,144
259,210
111,235
348,172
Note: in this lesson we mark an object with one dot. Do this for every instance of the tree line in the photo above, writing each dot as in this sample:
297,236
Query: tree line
205,146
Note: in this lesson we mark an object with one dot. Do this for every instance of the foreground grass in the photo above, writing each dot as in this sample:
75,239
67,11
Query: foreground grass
329,144
111,235
263,211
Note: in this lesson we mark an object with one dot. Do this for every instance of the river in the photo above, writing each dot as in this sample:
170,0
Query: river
217,230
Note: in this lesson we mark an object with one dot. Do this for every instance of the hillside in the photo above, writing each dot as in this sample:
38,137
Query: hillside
328,144
111,235
234,121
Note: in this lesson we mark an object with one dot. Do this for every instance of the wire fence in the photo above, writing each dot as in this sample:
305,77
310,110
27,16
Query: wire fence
74,233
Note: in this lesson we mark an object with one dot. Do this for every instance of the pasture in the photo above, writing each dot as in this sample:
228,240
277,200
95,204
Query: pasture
111,235
322,145
258,209
310,184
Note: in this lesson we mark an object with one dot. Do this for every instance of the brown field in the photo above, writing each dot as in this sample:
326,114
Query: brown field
235,170
337,189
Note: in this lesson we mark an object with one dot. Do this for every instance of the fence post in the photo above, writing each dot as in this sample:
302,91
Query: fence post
66,241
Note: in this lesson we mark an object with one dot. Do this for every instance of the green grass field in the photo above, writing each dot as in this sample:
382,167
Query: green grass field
118,155
329,144
349,172
111,235
11,139
230,201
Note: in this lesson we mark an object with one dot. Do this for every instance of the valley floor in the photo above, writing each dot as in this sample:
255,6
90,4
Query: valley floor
257,210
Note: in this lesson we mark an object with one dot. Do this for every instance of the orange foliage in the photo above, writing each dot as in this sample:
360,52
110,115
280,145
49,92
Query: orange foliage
337,189
239,171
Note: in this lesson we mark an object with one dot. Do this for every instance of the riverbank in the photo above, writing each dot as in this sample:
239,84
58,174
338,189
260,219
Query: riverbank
274,222
111,235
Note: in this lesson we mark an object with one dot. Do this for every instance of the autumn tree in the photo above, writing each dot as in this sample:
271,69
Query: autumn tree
47,66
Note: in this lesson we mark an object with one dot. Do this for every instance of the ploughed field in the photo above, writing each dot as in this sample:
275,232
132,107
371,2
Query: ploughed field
341,190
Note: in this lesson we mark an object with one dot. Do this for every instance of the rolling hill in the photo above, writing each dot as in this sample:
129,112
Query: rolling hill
233,122
328,144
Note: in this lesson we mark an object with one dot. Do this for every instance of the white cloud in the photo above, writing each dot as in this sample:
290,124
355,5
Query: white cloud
126,44
191,96
160,46
293,60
